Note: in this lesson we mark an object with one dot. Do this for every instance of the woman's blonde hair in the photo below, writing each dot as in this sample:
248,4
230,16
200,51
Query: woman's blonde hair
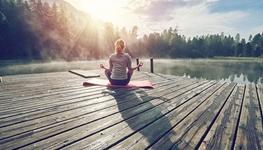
119,43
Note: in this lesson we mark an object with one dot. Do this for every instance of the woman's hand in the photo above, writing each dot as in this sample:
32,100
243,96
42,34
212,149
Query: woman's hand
102,66
140,65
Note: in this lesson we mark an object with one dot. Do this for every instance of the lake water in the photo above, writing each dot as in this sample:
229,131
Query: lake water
239,71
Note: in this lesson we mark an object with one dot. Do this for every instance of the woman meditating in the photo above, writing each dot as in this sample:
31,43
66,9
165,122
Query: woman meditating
120,64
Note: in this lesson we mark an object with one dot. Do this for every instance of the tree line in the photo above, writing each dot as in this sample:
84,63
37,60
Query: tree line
37,29
171,44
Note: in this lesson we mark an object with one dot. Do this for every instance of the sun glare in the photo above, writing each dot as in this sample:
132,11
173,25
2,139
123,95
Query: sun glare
106,10
116,12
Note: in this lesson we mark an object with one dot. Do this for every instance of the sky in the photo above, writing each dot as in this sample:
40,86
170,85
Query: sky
190,17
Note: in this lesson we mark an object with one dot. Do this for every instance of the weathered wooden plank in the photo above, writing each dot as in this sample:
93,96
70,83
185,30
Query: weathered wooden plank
250,130
47,94
46,133
45,84
30,102
23,79
24,116
11,93
69,111
21,100
29,80
82,125
28,83
164,84
134,122
197,113
30,91
14,79
80,100
222,133
53,101
33,92
16,110
187,133
49,83
42,85
33,78
156,130
260,98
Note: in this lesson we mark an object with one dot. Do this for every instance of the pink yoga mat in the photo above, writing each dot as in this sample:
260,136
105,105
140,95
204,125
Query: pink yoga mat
103,82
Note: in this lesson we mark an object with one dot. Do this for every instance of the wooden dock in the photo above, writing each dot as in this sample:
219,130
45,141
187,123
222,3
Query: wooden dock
54,111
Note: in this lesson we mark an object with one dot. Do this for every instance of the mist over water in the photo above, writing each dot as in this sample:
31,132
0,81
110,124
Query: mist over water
239,71
28,67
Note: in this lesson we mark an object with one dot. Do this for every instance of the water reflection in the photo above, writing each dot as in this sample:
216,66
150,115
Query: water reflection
235,71
240,71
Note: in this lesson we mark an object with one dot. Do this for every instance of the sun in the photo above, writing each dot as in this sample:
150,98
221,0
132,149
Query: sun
117,12
105,10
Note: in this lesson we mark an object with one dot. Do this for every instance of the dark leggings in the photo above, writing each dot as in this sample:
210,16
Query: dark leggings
118,82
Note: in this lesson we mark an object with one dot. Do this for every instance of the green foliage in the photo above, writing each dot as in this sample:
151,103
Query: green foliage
176,46
40,30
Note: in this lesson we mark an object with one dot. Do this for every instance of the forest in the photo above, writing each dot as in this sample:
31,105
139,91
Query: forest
41,30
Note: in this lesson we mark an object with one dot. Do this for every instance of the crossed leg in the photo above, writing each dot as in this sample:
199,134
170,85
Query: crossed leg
119,82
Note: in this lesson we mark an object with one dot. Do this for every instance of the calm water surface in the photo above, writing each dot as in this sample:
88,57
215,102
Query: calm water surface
229,70
240,71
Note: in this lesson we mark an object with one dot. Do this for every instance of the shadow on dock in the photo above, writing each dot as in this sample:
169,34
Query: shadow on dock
142,121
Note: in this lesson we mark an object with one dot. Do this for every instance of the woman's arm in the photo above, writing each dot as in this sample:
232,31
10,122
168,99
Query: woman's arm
110,64
103,67
138,66
130,68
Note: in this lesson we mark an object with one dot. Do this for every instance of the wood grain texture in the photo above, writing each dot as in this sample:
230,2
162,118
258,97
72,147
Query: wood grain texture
187,133
260,98
250,130
222,133
54,111
156,130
